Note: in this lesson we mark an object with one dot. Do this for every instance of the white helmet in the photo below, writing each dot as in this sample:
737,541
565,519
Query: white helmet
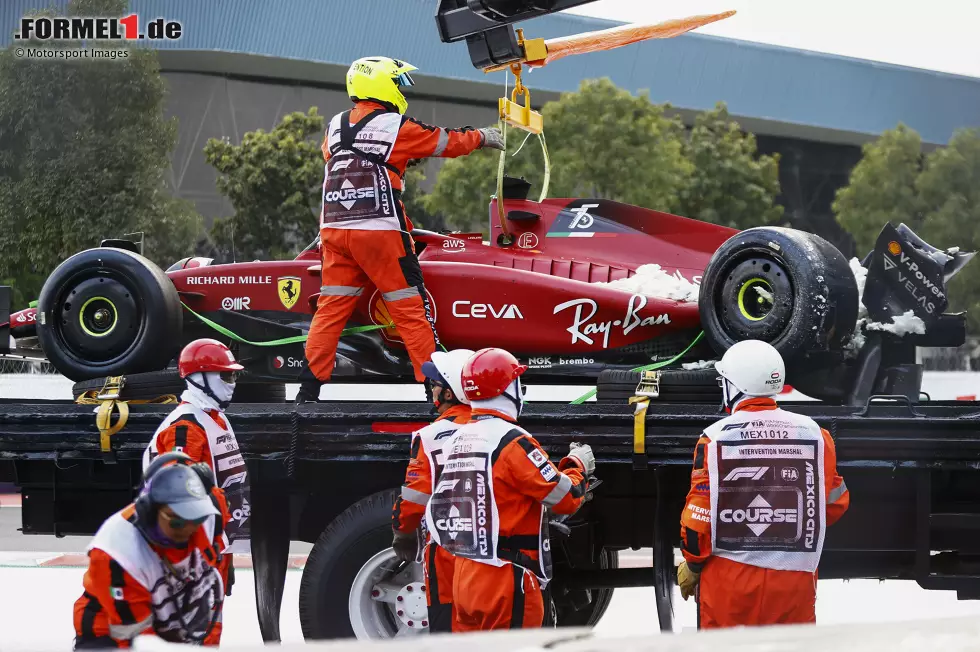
449,368
750,368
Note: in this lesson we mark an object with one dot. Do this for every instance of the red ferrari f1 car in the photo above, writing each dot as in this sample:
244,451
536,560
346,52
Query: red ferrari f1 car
552,291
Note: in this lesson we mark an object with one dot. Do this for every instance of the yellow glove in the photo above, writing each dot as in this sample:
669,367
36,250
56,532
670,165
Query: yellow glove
687,579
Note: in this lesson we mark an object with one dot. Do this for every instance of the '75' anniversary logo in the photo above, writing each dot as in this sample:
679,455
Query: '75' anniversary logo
43,28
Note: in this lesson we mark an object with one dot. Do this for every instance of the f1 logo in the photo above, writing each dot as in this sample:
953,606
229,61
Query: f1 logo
747,473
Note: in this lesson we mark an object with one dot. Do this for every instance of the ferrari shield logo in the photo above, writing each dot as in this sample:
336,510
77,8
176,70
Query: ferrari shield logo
288,290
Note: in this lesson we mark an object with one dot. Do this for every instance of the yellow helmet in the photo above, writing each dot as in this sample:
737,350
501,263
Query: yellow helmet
379,78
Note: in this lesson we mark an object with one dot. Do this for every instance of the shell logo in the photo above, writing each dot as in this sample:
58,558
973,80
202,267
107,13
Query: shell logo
378,312
894,248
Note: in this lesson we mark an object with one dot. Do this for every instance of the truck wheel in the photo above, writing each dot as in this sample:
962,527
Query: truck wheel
107,312
351,565
352,562
152,384
590,616
792,289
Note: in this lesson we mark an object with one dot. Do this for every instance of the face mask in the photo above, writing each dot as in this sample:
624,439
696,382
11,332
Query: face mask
156,535
516,394
730,395
211,388
222,391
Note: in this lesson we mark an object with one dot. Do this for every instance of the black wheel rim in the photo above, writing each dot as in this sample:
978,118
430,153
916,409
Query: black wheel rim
98,317
756,297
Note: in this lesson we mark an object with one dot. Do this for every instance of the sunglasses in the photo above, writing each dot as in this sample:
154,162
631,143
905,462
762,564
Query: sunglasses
179,523
230,377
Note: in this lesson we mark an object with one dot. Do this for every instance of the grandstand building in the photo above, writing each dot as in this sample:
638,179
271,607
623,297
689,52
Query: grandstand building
242,65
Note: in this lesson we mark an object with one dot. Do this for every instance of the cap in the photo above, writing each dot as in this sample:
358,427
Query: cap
180,488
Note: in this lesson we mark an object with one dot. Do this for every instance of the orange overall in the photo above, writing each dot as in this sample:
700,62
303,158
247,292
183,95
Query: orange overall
490,597
731,593
187,436
408,514
115,608
364,232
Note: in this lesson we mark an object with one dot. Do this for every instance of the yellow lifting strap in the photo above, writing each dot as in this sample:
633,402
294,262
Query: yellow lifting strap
522,117
646,389
108,401
641,404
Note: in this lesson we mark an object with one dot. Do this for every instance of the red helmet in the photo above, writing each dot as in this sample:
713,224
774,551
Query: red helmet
206,355
489,372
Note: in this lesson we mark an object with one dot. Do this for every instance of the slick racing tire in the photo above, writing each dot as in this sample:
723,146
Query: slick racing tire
107,312
676,385
790,288
149,385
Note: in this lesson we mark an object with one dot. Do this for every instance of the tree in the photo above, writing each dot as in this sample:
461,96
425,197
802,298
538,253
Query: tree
414,200
881,187
949,192
731,185
603,142
937,195
610,144
274,181
84,148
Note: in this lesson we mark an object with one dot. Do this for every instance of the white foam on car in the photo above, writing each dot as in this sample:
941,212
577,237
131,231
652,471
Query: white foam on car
764,293
901,325
652,281
852,348
700,364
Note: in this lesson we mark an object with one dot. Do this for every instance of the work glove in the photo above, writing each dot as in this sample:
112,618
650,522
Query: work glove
406,545
582,453
687,579
492,138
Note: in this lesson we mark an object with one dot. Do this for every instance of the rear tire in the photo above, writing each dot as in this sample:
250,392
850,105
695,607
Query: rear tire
676,385
107,312
789,288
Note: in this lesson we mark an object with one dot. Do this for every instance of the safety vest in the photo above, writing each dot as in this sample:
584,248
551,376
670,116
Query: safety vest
177,590
462,514
357,192
768,504
229,468
432,438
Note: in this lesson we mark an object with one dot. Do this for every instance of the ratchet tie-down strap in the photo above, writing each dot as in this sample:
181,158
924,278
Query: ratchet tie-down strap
108,401
641,404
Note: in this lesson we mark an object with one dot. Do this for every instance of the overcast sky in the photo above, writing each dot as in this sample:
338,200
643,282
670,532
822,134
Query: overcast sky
934,34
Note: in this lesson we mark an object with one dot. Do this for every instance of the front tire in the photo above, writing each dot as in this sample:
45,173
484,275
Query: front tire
108,312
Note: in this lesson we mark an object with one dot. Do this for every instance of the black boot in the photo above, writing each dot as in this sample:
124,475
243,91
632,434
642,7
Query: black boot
309,392
309,387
